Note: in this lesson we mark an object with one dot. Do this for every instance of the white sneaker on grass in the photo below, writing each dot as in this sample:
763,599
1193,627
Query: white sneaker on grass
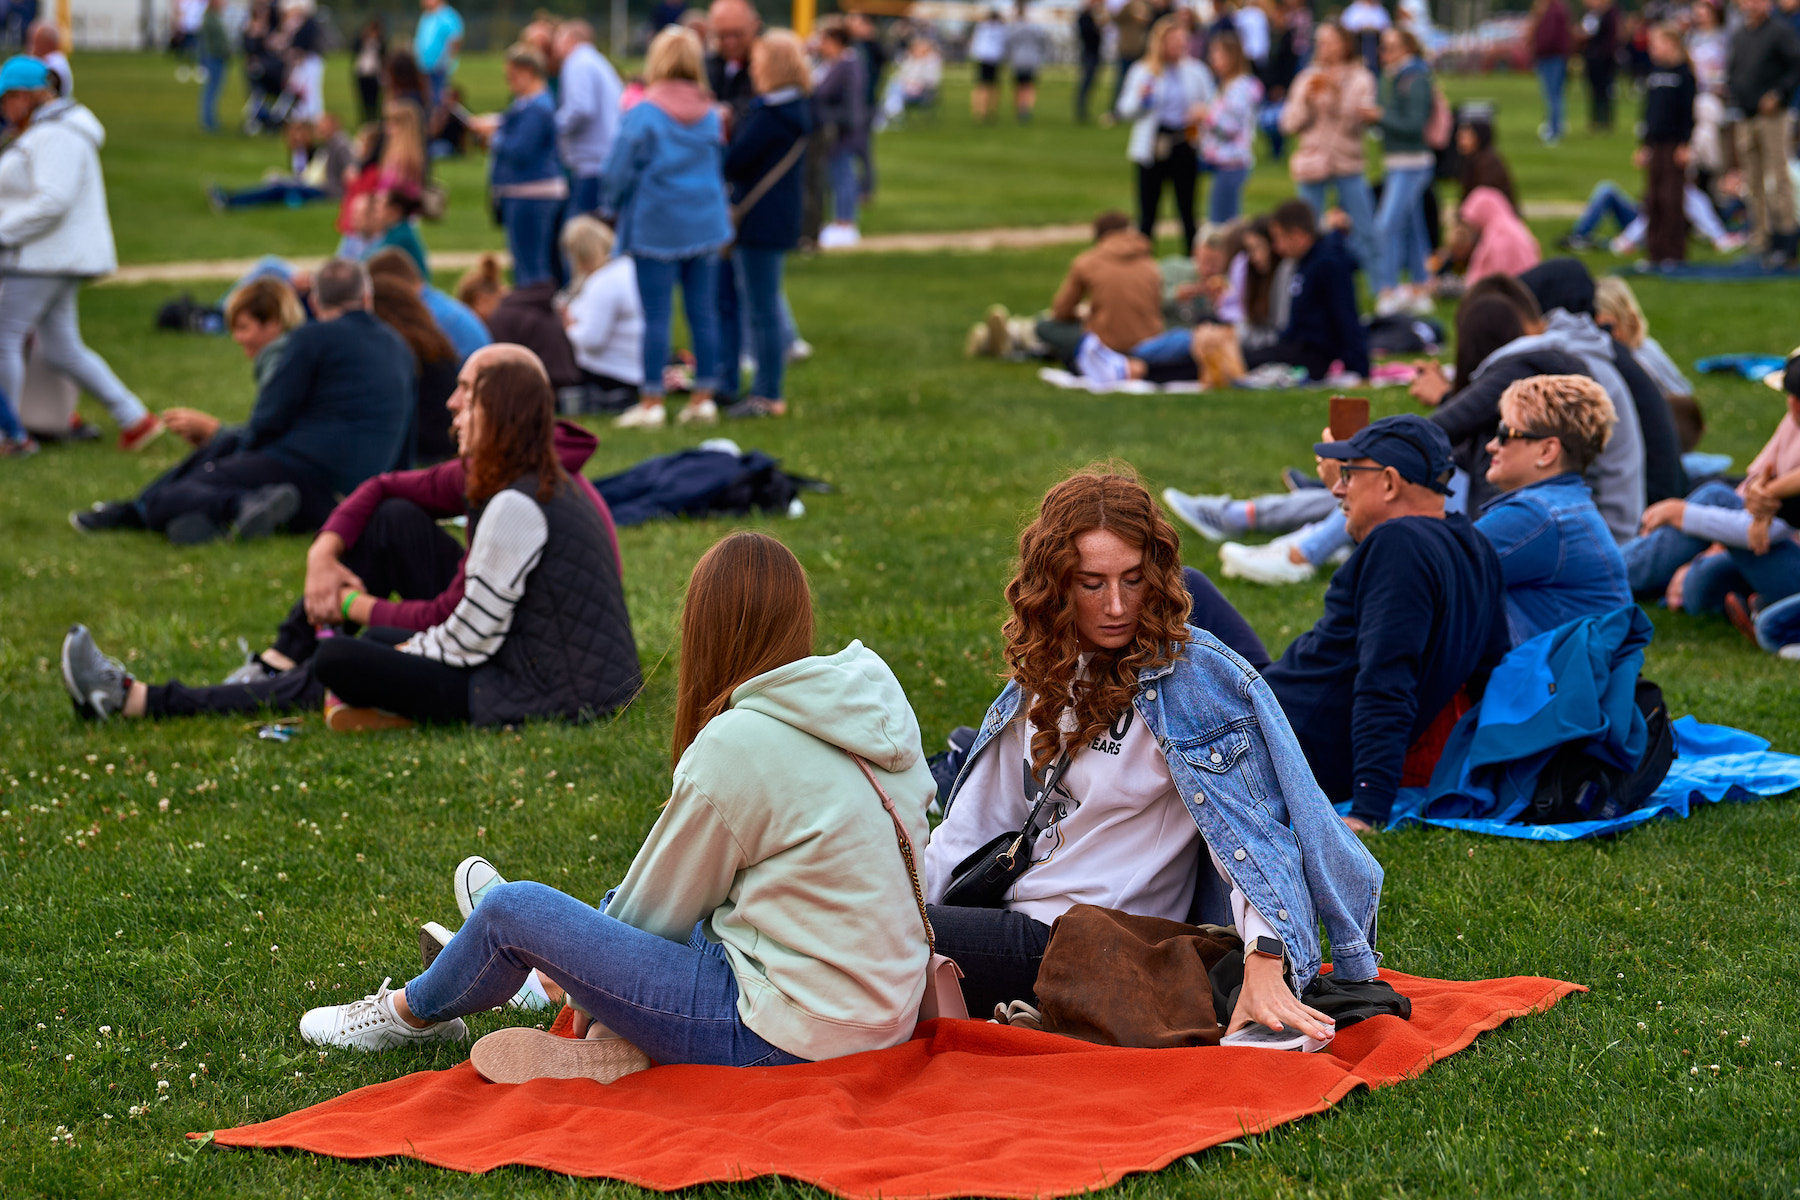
642,415
1268,564
474,876
1205,514
372,1024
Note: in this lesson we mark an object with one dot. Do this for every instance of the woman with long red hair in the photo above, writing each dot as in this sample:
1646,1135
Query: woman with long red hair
1181,791
769,918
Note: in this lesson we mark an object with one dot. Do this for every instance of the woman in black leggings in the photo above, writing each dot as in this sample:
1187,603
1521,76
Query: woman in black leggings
541,630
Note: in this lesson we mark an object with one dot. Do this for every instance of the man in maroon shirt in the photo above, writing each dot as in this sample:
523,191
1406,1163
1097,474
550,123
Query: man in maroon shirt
384,540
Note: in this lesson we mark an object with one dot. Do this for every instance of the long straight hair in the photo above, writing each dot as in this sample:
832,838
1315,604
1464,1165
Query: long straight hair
517,431
748,611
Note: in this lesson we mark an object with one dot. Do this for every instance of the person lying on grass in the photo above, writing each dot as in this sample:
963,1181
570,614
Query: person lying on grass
1185,795
769,918
541,630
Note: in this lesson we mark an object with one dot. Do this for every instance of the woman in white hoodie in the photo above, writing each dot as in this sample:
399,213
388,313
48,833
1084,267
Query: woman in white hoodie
1165,97
54,235
604,315
769,918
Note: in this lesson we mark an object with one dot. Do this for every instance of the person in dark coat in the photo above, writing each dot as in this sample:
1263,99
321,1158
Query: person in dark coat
763,170
527,316
1600,60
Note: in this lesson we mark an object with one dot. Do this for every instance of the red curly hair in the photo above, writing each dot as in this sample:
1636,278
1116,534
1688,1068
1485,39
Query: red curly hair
1043,648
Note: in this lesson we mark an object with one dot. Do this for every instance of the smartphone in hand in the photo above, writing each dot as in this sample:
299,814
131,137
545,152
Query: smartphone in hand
1349,417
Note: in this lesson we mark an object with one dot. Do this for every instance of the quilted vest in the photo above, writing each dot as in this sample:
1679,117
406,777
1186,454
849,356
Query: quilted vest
570,653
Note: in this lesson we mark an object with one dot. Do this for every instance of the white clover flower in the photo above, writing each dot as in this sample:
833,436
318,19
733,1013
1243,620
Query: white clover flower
162,1085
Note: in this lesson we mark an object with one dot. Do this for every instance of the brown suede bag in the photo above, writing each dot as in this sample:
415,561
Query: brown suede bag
1122,980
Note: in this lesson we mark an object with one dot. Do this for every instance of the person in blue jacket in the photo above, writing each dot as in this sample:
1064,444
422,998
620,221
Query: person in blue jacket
524,175
1323,326
1556,554
664,186
763,163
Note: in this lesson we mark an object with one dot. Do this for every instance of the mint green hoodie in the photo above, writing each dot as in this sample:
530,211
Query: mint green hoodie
773,839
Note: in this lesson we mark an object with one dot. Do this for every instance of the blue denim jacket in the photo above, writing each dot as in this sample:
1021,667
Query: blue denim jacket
1558,557
665,182
524,147
1233,756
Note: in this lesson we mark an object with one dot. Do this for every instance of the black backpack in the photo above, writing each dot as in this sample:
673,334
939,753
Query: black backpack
1575,786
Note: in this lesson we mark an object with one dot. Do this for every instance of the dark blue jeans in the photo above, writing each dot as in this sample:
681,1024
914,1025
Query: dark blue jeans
291,194
1607,200
699,280
209,92
676,1002
1553,77
531,227
1652,560
756,283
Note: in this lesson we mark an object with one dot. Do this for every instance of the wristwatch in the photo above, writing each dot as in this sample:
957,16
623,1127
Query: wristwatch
1268,947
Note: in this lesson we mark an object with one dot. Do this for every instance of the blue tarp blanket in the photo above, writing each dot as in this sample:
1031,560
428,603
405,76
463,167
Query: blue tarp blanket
1713,763
1744,270
1754,367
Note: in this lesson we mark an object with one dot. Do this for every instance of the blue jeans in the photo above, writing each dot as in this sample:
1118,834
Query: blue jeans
676,1002
1652,560
1607,200
439,80
1553,76
699,280
9,421
291,194
845,191
209,92
1778,624
531,227
756,289
584,196
1169,346
1356,199
1227,193
1400,224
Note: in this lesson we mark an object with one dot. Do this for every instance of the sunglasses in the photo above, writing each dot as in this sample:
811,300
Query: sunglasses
1503,435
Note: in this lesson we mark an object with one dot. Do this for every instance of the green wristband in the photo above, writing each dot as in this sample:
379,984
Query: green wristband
348,601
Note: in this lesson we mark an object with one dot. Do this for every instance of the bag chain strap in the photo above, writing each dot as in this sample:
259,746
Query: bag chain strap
906,850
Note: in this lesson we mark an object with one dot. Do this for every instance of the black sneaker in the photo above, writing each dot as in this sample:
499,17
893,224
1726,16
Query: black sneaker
106,514
265,510
193,529
97,684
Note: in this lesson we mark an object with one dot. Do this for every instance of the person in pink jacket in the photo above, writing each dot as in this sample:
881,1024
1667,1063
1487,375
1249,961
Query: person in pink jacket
1324,111
1503,245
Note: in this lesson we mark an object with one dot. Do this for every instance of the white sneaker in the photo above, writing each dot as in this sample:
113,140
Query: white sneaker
1420,303
698,412
474,876
372,1024
1205,514
642,416
1390,303
799,350
1622,246
531,995
1262,564
1790,652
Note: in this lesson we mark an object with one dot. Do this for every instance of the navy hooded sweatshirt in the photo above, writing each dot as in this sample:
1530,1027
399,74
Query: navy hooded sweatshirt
1322,312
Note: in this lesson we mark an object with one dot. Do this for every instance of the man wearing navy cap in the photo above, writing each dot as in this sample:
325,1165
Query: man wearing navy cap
1416,611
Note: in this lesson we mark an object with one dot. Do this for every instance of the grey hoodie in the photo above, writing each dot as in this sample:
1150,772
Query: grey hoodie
1617,476
53,218
776,844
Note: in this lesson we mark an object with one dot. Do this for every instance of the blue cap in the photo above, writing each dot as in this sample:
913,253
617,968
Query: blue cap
1410,444
22,73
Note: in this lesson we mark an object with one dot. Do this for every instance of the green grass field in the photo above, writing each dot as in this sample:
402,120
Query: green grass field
281,876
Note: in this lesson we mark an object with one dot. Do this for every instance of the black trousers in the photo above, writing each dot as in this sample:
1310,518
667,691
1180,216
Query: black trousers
366,671
1215,614
216,477
1181,172
1295,354
998,950
1601,72
401,552
1090,68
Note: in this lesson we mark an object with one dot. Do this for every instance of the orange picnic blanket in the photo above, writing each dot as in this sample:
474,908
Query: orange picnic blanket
965,1108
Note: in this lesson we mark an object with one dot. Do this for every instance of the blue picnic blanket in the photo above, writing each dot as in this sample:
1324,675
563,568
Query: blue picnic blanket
1714,763
1751,366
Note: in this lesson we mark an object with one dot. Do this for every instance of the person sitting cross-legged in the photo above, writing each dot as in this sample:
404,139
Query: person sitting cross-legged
1413,614
769,918
541,629
1118,282
1558,558
334,405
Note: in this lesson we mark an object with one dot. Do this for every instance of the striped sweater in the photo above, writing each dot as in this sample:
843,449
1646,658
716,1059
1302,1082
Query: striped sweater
509,541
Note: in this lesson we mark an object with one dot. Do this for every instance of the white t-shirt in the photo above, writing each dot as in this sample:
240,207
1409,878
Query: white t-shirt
606,323
1127,841
1365,16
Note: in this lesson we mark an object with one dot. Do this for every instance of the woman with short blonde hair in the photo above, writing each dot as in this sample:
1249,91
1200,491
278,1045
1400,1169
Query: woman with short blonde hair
604,316
675,53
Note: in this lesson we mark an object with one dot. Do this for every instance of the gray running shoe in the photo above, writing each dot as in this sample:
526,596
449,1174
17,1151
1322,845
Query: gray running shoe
1204,514
265,510
97,684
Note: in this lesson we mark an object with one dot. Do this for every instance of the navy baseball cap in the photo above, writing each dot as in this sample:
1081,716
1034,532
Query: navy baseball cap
1410,444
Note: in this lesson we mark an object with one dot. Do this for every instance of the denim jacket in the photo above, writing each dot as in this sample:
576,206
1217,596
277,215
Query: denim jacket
524,147
1556,554
1232,754
665,182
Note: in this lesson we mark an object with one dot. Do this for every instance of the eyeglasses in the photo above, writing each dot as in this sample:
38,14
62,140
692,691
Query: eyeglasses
1347,469
1503,435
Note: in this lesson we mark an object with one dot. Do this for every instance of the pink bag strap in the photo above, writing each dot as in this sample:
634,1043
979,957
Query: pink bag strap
906,849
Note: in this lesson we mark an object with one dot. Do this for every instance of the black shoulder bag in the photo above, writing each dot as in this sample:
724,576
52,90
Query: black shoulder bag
983,879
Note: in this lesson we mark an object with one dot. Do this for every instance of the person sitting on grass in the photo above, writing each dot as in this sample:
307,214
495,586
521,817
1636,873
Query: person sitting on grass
1118,281
1616,310
321,156
1188,795
1725,549
1557,556
769,917
604,315
482,287
435,364
541,630
460,323
1415,612
333,408
387,218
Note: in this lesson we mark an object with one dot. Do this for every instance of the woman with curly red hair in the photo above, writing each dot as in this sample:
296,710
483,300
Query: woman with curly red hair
1180,789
